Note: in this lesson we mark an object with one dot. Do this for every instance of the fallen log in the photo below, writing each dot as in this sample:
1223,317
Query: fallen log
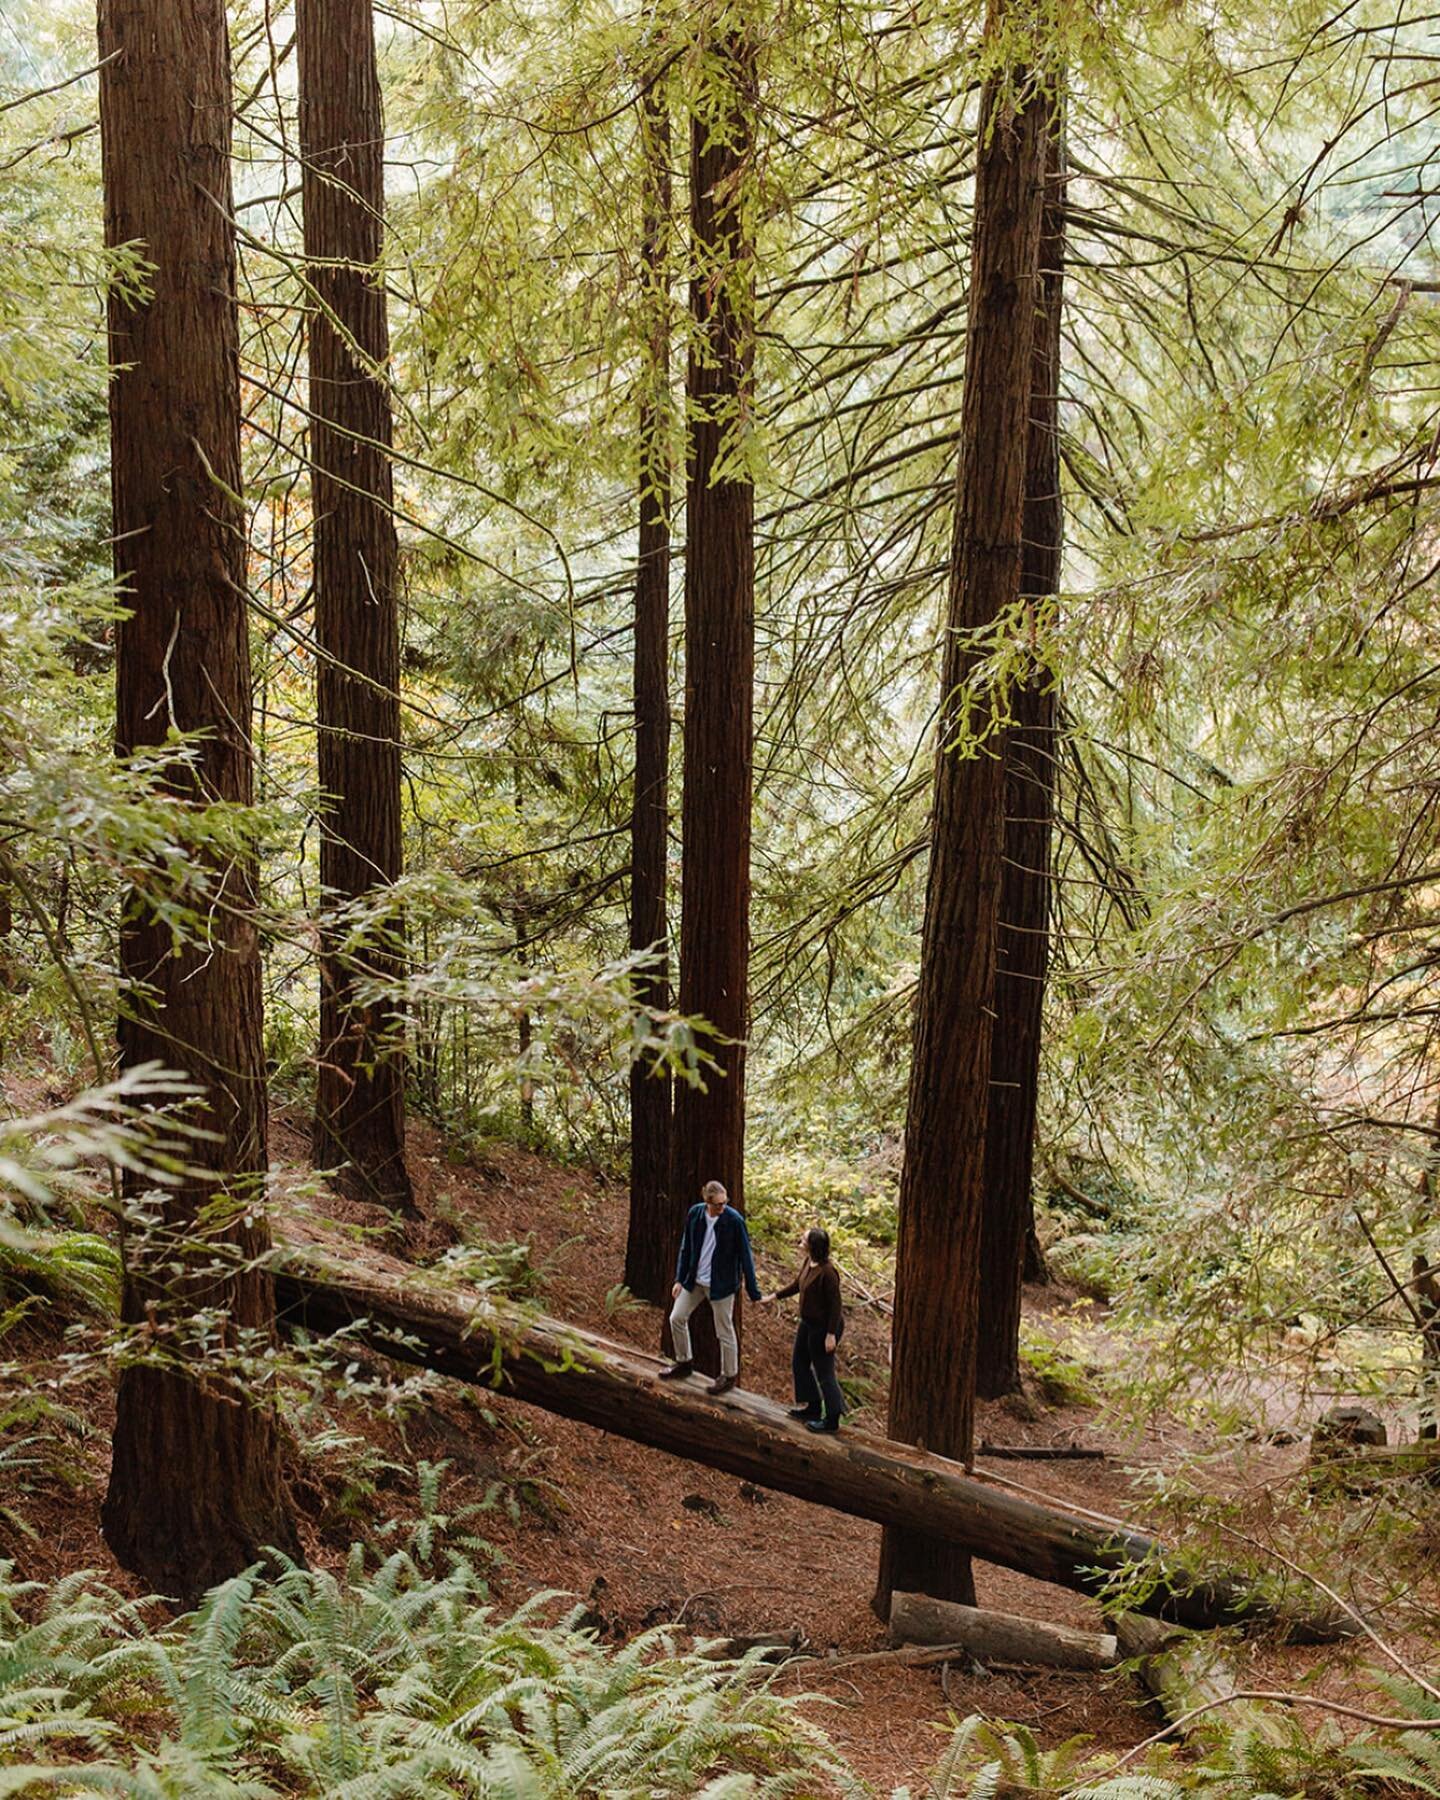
579,1375
1194,1680
998,1637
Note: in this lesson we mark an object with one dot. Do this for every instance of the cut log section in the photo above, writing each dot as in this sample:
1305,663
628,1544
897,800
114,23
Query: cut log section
1186,1673
579,1375
998,1637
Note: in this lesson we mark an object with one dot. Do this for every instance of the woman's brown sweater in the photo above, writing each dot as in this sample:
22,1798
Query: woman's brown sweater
818,1285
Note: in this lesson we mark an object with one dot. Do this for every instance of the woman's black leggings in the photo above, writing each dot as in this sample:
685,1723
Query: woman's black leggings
814,1370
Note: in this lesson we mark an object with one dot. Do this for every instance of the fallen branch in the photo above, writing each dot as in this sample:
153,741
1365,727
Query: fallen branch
1096,1208
1041,1452
906,1656
878,1301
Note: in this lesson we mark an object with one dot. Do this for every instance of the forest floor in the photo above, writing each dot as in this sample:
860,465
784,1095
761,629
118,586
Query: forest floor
646,1539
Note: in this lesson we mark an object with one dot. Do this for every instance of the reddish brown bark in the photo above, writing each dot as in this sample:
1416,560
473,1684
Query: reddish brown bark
654,1218
359,1100
932,1390
708,1134
195,1491
1023,945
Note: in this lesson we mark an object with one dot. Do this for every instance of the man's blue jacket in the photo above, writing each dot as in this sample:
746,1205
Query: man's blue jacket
732,1257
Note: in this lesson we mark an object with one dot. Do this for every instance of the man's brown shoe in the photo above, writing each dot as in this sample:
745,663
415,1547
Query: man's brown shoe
675,1371
723,1385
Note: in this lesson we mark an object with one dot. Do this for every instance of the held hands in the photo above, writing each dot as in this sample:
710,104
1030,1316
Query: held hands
766,1299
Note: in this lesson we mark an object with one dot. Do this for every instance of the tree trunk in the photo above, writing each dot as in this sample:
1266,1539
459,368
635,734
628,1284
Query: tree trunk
654,1218
1425,1286
708,1134
1023,943
1427,1305
580,1375
932,1391
359,1100
917,1619
7,944
195,1491
524,1023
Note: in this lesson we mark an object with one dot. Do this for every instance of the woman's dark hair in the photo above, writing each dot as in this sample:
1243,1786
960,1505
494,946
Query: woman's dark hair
817,1242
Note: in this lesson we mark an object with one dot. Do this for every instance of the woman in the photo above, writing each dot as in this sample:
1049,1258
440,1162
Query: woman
818,1400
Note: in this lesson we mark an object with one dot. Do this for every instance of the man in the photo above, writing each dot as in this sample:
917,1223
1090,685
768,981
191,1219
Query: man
714,1255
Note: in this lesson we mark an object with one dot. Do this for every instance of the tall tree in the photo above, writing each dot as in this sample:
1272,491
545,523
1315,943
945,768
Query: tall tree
650,1244
932,1390
1023,945
195,1488
709,1126
359,1101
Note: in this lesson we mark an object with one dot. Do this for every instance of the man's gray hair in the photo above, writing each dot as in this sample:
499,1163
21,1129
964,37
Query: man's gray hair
714,1190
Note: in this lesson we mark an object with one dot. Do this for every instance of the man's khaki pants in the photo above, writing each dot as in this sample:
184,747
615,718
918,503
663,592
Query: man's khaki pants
723,1312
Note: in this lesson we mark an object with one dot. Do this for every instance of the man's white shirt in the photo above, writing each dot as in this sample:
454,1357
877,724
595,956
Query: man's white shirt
707,1253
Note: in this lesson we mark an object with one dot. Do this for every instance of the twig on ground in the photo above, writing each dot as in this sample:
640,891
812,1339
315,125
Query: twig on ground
908,1655
1042,1452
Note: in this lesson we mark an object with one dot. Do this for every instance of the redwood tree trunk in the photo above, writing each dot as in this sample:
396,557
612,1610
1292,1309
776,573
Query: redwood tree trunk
932,1390
195,1491
1024,935
654,1218
359,1101
708,1140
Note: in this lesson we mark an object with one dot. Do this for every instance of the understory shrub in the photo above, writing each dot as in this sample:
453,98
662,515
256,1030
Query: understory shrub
359,1685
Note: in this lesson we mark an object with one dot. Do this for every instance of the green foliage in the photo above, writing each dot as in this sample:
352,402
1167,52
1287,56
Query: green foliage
1063,1379
1239,1059
391,1683
1410,1760
47,1167
503,1269
985,1759
993,1760
791,1190
437,1530
76,1268
990,1760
